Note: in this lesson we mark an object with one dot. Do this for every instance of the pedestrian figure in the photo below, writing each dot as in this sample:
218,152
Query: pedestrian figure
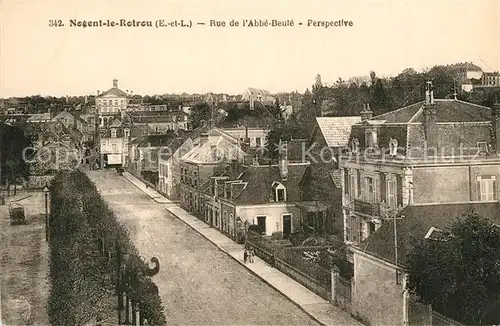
245,256
251,254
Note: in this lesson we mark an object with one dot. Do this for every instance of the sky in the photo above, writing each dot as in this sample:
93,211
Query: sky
386,37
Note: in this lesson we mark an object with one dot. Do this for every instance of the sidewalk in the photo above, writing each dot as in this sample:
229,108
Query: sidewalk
315,306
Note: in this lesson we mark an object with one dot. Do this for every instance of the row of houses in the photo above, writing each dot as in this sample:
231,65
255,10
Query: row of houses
375,182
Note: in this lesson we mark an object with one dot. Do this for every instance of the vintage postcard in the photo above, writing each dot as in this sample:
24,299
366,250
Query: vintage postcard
212,162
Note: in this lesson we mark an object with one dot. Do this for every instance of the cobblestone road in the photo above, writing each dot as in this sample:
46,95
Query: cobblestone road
199,284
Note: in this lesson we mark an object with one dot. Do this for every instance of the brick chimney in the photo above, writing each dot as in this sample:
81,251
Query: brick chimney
283,160
234,169
430,119
366,113
115,83
495,126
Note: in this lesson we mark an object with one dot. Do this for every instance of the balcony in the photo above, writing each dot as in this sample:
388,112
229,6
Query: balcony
366,208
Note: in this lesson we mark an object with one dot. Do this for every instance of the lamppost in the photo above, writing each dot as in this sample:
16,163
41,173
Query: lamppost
46,194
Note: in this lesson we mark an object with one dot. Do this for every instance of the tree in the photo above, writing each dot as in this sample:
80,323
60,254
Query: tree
460,275
14,152
200,113
380,101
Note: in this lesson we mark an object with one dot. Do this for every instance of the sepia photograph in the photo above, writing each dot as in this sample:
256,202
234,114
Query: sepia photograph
213,162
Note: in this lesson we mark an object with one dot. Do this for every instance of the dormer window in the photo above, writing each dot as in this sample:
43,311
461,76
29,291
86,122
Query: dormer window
279,192
393,147
355,145
482,147
371,137
113,133
126,133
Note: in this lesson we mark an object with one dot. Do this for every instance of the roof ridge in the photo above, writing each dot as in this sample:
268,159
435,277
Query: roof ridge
397,110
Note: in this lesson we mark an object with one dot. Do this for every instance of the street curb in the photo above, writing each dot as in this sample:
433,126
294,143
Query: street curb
237,260
251,271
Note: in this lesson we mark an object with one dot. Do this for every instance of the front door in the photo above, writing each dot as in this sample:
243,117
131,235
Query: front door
287,226
261,222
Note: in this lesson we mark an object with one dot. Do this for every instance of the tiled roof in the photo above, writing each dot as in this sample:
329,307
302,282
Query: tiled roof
258,181
336,176
416,222
336,130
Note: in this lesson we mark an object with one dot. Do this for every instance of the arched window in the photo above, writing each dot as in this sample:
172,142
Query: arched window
279,192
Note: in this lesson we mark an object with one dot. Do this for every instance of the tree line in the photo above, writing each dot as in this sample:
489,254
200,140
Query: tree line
93,262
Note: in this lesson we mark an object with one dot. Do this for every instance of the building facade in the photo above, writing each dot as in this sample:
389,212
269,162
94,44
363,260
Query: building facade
436,151
110,104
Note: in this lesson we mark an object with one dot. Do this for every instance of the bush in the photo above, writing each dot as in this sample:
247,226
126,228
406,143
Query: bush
86,242
297,238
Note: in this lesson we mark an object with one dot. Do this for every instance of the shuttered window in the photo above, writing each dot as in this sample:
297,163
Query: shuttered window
399,186
359,184
391,196
486,188
369,190
383,187
346,181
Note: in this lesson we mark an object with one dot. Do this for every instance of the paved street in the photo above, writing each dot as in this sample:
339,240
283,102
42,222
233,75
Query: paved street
199,284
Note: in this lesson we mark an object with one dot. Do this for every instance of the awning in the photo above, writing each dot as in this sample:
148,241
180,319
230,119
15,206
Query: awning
313,206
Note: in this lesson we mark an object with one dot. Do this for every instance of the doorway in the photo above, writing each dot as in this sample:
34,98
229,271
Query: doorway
287,226
261,222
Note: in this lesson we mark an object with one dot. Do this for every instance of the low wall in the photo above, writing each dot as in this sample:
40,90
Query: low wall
303,279
343,294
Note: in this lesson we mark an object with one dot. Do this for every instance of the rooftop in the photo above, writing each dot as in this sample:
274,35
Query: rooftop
416,222
336,130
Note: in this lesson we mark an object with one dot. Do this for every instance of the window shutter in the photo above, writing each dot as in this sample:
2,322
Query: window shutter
478,190
494,189
361,185
346,181
376,188
383,185
399,187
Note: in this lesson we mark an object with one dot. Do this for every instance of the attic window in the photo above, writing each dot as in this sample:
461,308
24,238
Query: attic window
371,138
279,192
393,147
355,145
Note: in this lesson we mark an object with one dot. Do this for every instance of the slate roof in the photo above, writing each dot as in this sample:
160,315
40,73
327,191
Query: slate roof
39,116
257,183
157,140
114,92
336,130
447,110
227,147
416,223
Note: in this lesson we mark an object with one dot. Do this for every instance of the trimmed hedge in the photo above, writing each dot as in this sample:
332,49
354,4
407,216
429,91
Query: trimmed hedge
86,245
